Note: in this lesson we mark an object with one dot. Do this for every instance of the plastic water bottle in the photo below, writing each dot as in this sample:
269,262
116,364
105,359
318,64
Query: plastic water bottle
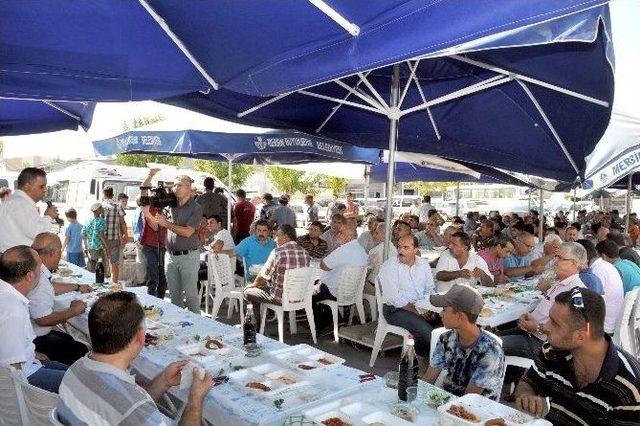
249,327
100,272
407,370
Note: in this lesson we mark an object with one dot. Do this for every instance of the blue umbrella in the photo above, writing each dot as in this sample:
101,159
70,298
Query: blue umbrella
18,117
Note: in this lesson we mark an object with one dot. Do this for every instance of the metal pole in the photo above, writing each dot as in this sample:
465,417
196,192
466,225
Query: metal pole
530,191
574,202
629,184
393,141
542,221
458,199
229,182
367,172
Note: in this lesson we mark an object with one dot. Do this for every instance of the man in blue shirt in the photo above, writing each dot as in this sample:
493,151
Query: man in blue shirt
255,249
629,271
518,264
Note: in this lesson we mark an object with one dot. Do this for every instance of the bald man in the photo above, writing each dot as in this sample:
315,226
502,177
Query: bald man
183,257
55,344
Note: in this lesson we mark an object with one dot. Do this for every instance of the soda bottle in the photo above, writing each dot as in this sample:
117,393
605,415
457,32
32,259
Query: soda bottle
100,271
249,326
407,370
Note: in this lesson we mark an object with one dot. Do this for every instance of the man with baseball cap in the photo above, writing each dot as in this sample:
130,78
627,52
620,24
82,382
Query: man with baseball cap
471,357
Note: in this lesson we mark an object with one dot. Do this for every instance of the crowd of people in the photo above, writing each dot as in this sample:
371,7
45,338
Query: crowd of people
584,270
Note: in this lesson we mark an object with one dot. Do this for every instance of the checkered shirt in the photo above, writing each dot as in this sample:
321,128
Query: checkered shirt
112,214
287,256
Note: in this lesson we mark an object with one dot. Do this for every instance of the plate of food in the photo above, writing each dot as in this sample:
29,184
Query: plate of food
435,398
474,409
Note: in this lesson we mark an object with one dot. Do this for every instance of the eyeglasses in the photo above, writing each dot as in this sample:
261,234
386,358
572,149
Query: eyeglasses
578,301
568,259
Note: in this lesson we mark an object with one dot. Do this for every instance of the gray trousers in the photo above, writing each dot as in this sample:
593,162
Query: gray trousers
182,279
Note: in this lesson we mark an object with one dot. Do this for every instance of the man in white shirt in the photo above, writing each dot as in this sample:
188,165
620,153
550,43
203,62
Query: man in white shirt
526,339
348,254
222,241
20,220
611,284
55,344
423,211
404,280
458,265
20,269
376,259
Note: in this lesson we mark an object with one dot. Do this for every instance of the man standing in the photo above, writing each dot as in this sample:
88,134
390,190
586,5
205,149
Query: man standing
588,379
183,257
255,249
55,344
353,209
472,358
425,207
312,210
116,230
243,214
20,269
268,285
406,279
283,214
19,217
267,206
98,388
212,202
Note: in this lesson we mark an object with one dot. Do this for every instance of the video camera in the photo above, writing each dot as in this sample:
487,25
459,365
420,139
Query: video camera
160,199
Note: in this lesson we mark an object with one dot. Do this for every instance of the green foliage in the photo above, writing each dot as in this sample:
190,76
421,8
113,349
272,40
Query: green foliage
431,188
141,160
239,172
290,181
337,185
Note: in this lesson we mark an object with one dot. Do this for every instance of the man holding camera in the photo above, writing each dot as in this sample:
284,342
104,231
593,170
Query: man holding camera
183,257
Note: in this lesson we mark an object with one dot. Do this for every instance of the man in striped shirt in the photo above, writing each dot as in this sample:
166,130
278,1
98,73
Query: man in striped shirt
98,390
588,379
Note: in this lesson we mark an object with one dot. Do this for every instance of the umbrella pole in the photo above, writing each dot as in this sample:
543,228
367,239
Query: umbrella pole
574,203
458,199
530,190
629,184
541,223
393,141
367,171
229,182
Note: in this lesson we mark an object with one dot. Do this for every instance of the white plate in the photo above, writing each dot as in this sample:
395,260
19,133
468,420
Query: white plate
487,409
387,419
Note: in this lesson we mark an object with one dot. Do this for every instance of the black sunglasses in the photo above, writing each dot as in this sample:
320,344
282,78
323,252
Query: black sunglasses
578,302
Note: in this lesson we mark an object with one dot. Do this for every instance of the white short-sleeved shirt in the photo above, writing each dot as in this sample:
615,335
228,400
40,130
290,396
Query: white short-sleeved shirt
613,292
347,255
20,221
227,244
41,300
449,263
16,333
403,284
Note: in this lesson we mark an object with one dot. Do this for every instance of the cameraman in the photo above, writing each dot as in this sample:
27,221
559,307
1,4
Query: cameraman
153,239
183,256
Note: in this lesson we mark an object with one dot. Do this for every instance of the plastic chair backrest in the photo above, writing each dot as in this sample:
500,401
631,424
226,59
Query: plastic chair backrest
11,402
219,269
625,324
351,284
38,403
297,287
381,319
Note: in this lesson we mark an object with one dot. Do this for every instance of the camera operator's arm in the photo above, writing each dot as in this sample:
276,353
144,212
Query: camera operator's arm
149,218
183,231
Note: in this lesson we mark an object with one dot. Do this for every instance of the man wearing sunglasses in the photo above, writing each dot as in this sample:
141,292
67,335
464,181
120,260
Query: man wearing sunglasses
518,264
587,378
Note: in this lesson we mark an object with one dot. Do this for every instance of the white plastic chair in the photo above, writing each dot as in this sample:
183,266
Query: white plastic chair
221,279
38,402
350,291
384,328
625,334
297,290
12,409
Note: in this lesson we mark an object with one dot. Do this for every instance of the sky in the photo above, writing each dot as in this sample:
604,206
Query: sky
109,117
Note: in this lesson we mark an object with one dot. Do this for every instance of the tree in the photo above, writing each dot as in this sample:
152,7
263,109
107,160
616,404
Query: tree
430,188
239,172
141,160
290,181
337,185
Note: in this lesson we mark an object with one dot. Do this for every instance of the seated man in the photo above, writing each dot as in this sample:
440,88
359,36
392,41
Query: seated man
255,249
376,258
461,266
518,265
268,285
589,380
20,269
472,358
348,254
629,271
484,232
331,234
571,234
315,246
625,251
98,389
399,230
526,339
55,344
366,239
405,279
429,238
